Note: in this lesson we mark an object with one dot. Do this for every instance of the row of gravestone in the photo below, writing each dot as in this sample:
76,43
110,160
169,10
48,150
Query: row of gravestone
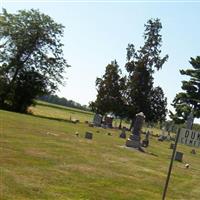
178,155
134,139
162,137
99,121
89,135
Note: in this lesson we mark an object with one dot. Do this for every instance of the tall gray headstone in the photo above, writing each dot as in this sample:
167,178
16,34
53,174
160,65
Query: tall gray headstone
190,120
97,120
134,139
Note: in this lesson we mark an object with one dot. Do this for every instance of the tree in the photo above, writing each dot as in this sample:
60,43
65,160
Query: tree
140,66
109,91
31,58
158,105
189,100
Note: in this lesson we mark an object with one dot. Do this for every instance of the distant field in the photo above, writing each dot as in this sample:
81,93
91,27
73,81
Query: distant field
45,109
42,158
55,111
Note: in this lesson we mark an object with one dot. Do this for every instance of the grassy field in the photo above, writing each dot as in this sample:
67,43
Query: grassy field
42,158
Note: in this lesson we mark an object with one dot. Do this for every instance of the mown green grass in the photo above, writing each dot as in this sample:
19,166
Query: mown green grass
42,158
45,109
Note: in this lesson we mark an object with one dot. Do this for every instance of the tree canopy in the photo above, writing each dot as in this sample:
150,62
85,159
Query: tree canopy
125,96
109,91
189,100
31,57
140,66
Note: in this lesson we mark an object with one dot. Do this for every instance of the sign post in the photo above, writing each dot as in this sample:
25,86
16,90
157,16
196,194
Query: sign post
170,166
187,137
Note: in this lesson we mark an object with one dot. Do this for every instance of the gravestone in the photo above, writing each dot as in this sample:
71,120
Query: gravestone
108,121
168,138
145,142
161,138
179,156
103,126
88,135
193,151
91,125
97,120
190,120
123,133
134,139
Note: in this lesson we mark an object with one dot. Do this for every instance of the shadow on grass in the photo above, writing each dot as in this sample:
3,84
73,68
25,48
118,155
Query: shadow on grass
152,154
52,118
149,153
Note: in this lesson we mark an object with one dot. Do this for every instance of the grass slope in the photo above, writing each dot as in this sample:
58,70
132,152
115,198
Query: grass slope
41,158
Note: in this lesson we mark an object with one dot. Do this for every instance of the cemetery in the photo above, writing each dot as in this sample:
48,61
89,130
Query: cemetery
91,108
66,162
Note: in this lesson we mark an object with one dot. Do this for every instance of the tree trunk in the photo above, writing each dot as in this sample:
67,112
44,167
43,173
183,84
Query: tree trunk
120,124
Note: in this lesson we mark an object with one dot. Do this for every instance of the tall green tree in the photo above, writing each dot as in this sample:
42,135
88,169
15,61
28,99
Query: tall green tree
110,90
188,100
31,58
158,105
141,66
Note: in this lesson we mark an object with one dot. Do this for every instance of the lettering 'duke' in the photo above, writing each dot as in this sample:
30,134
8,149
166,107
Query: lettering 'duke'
189,137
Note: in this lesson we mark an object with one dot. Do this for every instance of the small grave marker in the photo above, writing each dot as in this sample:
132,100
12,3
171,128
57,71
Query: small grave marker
88,135
179,156
123,133
193,151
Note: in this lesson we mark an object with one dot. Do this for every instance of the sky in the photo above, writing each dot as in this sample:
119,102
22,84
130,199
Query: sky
98,31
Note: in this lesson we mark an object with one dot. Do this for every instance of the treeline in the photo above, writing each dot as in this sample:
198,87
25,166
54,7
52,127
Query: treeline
63,102
125,95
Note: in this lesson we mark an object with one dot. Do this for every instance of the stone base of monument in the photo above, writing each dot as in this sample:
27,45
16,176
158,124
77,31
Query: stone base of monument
133,143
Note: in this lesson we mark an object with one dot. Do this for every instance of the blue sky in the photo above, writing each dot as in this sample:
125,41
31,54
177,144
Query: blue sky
97,33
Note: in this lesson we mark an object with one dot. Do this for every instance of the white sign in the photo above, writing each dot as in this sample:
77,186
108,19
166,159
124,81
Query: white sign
189,137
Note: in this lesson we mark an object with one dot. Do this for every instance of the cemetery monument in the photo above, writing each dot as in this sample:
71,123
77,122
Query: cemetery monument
135,137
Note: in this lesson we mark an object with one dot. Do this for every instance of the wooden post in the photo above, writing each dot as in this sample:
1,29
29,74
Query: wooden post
170,166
